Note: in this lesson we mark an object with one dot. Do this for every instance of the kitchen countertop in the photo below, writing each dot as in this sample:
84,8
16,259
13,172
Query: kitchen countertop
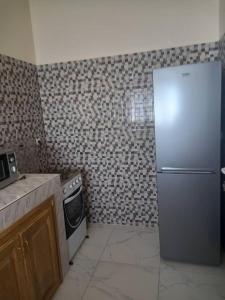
20,188
22,196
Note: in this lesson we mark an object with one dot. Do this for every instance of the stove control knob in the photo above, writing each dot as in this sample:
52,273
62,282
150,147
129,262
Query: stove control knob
76,180
13,169
74,183
70,186
64,191
79,179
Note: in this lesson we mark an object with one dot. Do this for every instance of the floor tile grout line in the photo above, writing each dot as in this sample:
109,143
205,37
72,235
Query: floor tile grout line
116,262
119,263
159,274
126,264
98,260
157,297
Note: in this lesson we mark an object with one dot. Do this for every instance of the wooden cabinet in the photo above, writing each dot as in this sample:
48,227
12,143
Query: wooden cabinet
29,257
11,270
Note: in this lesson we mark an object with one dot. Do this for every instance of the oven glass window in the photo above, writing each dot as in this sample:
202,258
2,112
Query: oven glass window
4,170
74,211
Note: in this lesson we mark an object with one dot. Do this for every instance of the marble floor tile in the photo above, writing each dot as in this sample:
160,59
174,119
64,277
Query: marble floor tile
93,247
194,268
136,247
76,280
177,284
113,281
122,263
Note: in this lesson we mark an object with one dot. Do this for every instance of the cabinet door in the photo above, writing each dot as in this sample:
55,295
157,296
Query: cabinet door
11,269
41,254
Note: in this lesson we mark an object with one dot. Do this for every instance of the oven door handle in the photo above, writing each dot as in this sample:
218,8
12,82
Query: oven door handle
68,200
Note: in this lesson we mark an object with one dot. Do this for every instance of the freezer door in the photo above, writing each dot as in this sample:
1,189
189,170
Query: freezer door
187,103
189,217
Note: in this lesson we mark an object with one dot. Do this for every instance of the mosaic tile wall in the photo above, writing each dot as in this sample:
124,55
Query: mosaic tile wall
98,117
21,119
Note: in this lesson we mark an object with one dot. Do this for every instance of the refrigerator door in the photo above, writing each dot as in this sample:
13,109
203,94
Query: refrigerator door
187,116
189,217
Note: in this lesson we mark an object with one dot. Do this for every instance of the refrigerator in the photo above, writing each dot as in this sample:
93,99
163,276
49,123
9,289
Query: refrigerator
187,105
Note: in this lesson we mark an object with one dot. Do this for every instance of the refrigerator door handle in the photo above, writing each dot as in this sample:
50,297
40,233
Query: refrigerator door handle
186,170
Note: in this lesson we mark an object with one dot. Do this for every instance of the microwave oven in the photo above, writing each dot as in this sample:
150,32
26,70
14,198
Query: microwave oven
8,168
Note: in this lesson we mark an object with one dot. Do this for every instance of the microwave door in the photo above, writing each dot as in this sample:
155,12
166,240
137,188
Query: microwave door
8,169
3,165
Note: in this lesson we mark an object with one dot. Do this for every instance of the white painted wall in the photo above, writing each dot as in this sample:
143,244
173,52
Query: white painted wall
77,29
16,38
222,17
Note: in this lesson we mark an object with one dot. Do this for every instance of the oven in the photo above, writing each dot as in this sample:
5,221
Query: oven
74,213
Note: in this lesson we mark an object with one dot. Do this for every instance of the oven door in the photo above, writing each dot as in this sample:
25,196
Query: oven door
74,211
4,167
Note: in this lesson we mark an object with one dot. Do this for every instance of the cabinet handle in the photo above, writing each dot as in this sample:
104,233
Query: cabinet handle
26,244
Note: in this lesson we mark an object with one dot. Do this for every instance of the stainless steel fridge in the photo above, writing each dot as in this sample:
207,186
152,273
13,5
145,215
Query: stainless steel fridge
187,104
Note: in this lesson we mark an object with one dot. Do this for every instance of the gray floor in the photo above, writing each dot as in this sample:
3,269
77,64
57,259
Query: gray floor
123,263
